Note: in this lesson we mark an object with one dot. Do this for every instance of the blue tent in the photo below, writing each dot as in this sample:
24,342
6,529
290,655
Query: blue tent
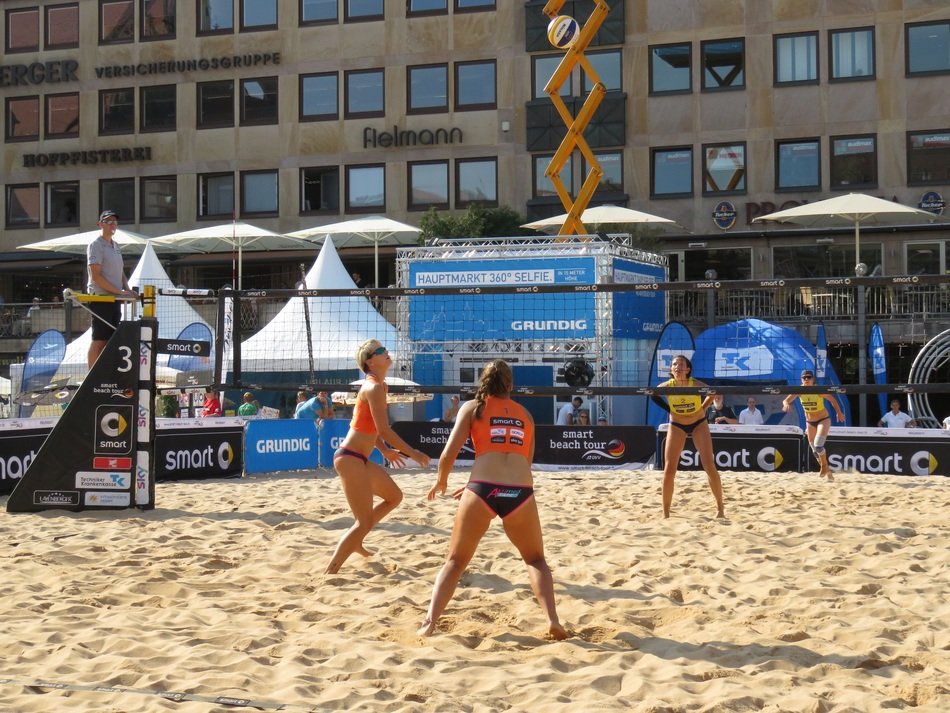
751,351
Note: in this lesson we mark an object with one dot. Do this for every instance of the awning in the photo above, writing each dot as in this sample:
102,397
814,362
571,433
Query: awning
23,261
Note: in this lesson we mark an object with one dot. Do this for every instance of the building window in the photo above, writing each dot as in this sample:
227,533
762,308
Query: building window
853,162
796,58
62,26
316,11
62,115
23,30
259,193
476,181
798,164
363,10
22,119
62,203
215,104
320,189
158,107
671,172
928,157
23,206
671,69
365,96
542,68
365,188
607,64
427,88
117,111
723,169
319,97
611,163
259,101
543,186
474,5
159,195
475,85
428,185
216,195
928,48
119,195
851,54
723,64
427,7
215,16
158,19
258,15
116,21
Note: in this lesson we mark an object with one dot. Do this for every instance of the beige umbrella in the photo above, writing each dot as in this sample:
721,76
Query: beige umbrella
855,209
76,244
231,236
605,215
375,228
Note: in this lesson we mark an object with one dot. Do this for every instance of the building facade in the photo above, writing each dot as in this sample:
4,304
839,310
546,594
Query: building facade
295,113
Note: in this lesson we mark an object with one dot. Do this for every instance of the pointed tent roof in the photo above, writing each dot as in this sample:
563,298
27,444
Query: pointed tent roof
338,325
174,313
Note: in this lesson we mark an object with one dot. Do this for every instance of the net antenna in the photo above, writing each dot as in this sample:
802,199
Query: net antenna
574,138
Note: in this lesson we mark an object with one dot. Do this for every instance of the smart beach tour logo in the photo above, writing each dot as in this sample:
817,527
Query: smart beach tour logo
923,463
769,459
612,450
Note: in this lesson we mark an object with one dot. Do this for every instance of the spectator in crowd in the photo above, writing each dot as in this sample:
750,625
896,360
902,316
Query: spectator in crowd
452,411
718,412
314,407
249,406
567,415
583,417
946,423
357,279
212,405
751,416
895,418
601,420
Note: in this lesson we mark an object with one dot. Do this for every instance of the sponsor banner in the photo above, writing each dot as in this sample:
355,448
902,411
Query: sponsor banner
640,314
18,448
214,452
280,444
107,500
56,498
767,449
331,432
556,447
892,451
103,481
106,463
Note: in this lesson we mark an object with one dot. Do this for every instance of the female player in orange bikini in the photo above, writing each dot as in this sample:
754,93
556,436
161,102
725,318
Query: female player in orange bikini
817,420
363,480
687,420
500,483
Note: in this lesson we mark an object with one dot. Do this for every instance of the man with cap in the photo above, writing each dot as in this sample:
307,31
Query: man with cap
106,277
817,419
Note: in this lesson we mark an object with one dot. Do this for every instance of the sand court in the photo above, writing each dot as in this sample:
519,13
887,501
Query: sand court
810,596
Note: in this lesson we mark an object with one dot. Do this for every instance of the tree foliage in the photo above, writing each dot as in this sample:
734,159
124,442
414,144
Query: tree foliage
476,222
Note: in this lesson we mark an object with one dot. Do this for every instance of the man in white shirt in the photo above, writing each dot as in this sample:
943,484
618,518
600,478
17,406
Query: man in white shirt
567,415
751,416
895,418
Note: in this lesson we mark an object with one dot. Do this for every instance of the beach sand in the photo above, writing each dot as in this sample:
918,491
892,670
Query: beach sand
810,596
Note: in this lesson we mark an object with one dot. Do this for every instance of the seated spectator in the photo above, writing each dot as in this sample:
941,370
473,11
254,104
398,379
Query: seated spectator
719,412
751,416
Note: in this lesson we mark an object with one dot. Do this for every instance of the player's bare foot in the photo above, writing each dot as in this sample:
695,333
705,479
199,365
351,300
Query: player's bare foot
427,628
721,514
363,551
557,632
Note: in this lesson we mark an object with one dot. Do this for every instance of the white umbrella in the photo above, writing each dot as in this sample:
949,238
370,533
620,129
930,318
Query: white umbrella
349,397
375,228
230,236
852,209
76,244
604,215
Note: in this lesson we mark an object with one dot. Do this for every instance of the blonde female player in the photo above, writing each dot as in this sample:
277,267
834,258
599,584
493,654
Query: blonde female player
500,483
817,420
687,420
361,479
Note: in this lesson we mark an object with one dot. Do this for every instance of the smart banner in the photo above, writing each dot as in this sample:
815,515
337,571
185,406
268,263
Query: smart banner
199,448
556,447
893,451
20,439
766,449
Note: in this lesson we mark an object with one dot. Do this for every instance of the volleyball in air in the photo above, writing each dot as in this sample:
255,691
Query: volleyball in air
563,31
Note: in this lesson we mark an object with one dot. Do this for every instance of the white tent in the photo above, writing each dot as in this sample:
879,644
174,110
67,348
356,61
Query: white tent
338,325
173,313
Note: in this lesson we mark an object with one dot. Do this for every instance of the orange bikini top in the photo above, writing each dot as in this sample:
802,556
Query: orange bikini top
504,427
363,421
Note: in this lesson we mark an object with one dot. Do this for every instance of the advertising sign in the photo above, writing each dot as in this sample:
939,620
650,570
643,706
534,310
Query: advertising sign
280,444
472,315
20,439
191,450
894,451
767,449
639,314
